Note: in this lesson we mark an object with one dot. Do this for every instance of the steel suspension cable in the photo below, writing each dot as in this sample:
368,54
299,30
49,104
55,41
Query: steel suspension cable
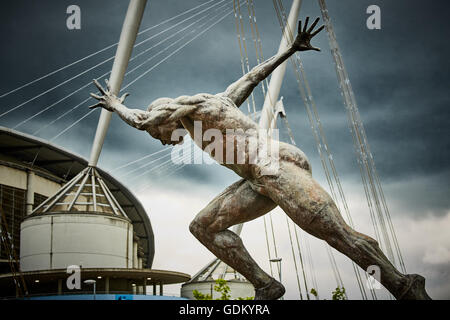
253,27
172,164
95,66
238,34
162,166
301,263
164,40
321,143
96,52
274,240
324,143
105,74
184,45
333,169
138,160
259,45
247,64
153,67
71,126
182,158
295,260
310,262
267,245
362,146
142,188
145,165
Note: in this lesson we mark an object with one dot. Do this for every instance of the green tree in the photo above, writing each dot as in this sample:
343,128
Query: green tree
200,296
223,288
339,294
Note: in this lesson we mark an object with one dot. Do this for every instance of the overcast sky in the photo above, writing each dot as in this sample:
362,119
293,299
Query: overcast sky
400,75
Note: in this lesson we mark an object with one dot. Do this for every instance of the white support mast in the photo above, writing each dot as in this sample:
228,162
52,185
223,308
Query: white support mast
88,181
126,42
267,112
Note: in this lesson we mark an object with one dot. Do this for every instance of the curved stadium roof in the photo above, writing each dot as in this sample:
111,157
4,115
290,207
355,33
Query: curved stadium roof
58,164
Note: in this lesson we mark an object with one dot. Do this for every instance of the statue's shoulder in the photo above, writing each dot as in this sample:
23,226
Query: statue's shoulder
226,100
205,95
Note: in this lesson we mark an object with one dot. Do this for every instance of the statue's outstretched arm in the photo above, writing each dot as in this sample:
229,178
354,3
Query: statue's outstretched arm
242,88
144,120
136,118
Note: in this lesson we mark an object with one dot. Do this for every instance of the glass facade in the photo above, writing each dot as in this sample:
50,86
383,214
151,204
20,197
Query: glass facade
13,203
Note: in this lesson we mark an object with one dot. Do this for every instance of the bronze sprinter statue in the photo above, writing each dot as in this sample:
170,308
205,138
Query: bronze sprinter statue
291,187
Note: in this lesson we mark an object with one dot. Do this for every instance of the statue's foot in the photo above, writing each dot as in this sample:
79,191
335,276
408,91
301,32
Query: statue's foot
415,289
272,291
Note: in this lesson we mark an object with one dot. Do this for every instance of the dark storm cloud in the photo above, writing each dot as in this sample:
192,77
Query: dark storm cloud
399,75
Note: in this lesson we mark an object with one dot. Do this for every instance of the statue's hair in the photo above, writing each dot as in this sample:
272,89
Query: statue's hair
158,102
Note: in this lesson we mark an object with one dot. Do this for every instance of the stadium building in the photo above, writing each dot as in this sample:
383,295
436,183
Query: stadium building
59,212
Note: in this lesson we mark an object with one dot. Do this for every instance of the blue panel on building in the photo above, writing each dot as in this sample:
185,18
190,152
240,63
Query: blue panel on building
124,297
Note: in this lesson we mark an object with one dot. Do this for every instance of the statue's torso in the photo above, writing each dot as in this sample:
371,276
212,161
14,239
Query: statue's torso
218,122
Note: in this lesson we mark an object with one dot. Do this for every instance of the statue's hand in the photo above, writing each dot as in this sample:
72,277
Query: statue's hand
302,41
107,100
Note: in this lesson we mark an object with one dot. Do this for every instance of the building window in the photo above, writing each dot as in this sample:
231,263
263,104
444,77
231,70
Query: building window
12,201
38,199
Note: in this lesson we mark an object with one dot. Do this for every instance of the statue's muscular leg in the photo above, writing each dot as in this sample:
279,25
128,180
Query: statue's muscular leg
312,209
239,203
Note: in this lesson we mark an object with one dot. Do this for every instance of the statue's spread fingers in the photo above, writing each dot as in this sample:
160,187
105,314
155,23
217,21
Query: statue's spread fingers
95,106
317,31
99,87
93,95
122,98
108,86
313,25
306,24
299,30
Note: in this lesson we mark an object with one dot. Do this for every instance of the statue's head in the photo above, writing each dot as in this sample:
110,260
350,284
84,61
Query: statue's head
164,132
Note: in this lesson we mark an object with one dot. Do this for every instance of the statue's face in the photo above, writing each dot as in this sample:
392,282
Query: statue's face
164,132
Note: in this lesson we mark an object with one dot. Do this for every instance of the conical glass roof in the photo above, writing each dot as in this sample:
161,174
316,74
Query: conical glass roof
217,269
86,192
